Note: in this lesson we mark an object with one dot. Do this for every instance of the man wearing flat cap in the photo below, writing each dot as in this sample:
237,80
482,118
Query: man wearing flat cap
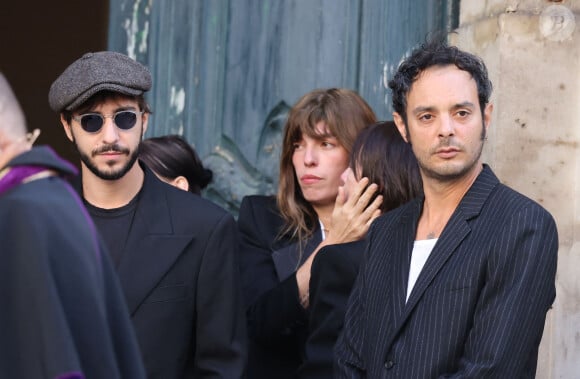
173,251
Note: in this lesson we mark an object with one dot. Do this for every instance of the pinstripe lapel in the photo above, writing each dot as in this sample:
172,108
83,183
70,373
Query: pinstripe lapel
387,271
456,230
404,235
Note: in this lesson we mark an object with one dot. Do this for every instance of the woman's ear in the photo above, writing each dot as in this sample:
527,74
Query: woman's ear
181,183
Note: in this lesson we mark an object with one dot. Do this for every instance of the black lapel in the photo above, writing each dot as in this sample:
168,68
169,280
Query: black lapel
288,258
405,237
386,270
152,247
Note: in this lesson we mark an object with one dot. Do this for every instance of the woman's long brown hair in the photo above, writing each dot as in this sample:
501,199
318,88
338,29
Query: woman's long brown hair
345,114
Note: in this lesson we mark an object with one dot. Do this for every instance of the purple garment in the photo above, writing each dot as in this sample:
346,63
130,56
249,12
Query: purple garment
17,175
71,375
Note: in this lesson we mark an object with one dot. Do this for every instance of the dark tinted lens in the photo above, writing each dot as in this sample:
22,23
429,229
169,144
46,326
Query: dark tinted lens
91,122
125,120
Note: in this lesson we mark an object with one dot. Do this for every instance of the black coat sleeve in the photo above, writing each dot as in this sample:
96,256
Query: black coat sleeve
273,309
220,328
334,271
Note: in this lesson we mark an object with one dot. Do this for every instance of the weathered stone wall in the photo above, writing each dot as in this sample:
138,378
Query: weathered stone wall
532,49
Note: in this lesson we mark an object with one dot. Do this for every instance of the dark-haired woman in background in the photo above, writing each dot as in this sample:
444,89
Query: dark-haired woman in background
175,162
381,155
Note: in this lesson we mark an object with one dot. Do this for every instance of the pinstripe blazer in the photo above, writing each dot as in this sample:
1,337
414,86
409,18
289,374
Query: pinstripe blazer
478,307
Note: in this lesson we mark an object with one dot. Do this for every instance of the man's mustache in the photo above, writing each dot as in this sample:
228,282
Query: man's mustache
447,143
111,148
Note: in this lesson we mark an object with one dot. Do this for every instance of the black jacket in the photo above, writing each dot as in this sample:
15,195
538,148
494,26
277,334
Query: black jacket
277,323
63,313
333,274
479,304
181,283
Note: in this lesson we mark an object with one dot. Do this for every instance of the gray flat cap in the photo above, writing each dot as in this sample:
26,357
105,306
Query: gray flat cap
95,72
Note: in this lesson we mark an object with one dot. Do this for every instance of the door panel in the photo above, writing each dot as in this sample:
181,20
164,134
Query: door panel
226,72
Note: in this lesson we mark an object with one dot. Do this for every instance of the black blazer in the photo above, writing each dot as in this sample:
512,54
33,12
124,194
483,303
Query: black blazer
181,283
333,273
277,323
479,304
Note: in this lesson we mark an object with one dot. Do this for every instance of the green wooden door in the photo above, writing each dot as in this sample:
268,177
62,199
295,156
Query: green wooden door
225,72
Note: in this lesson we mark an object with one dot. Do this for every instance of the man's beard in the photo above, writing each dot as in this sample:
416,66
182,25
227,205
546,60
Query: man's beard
454,173
450,173
109,175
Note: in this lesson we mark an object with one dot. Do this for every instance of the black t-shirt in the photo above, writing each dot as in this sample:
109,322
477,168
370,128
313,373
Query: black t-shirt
114,226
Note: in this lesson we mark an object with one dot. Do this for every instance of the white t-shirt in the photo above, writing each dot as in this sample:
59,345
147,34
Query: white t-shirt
421,251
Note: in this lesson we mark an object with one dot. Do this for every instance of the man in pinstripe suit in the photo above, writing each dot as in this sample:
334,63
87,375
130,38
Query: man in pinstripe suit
456,283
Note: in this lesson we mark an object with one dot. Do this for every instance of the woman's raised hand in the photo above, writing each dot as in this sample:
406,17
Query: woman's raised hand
351,218
353,212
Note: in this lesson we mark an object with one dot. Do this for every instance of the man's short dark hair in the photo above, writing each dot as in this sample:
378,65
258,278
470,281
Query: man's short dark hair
437,53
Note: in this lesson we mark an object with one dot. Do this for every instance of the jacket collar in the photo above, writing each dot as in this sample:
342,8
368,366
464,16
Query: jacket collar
455,231
153,246
46,157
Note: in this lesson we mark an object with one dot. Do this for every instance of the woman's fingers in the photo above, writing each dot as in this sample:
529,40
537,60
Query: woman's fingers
354,213
361,195
373,217
340,197
367,195
376,204
359,188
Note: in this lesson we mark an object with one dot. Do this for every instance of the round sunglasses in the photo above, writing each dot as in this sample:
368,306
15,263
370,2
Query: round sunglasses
93,122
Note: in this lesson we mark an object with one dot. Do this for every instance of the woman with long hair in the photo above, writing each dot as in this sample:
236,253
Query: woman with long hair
281,235
381,155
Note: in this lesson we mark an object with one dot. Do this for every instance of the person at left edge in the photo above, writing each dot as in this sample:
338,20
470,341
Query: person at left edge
174,251
62,312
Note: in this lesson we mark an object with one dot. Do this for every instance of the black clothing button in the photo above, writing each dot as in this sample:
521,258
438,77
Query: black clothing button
389,364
